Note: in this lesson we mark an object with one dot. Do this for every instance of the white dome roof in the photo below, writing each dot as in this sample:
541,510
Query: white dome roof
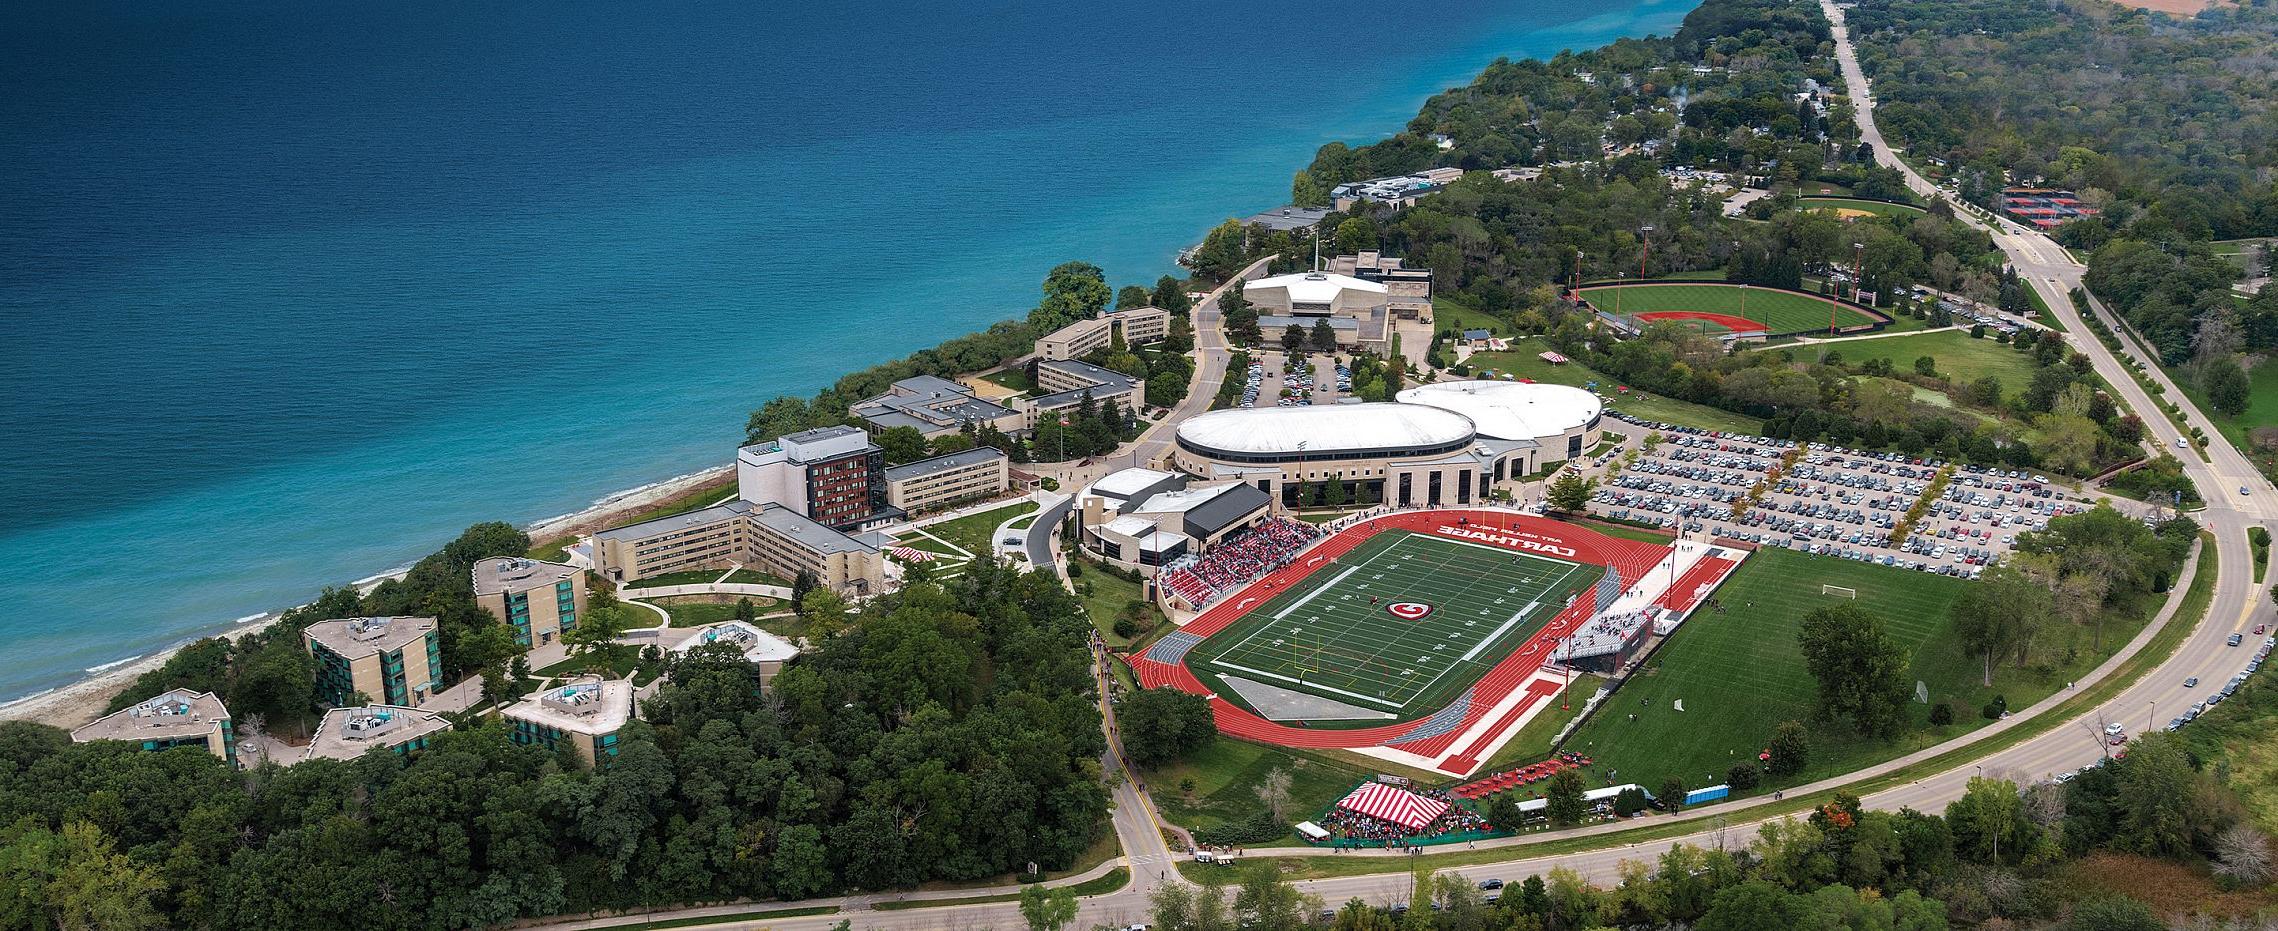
1317,287
1509,410
1269,431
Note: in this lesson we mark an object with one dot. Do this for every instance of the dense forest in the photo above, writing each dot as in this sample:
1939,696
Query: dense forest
2168,125
949,733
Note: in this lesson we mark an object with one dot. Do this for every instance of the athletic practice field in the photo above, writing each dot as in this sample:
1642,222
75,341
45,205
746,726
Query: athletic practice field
1849,207
1719,308
1394,628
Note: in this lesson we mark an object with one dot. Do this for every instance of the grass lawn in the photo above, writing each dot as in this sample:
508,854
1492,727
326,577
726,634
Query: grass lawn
1740,673
1107,882
2261,411
689,577
1960,359
973,531
1706,274
1776,311
724,919
704,496
756,577
1522,362
1226,774
699,610
1105,596
1015,379
1875,207
1532,742
1447,312
2238,732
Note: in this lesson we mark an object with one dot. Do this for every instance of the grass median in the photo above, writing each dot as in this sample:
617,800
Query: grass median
1111,881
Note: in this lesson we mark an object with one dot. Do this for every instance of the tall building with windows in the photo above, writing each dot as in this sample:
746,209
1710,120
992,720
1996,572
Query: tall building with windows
176,718
538,599
584,715
832,475
388,660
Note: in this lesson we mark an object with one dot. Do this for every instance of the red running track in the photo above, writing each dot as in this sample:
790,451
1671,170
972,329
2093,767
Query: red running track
1505,530
1696,583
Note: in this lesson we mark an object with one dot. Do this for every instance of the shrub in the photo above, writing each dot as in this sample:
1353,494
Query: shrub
1742,777
1942,714
1630,801
1126,628
1996,708
1260,828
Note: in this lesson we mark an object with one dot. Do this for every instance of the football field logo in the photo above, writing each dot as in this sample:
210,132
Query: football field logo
1409,610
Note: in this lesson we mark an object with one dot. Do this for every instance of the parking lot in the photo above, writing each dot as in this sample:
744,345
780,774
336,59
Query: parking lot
1295,381
1831,501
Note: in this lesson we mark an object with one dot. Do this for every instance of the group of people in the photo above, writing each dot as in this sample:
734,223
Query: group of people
1240,559
1353,829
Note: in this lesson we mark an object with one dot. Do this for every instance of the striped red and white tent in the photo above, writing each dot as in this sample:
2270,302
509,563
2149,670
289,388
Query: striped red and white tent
907,554
1397,805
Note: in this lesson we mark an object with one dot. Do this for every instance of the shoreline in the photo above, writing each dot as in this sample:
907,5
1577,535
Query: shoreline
82,700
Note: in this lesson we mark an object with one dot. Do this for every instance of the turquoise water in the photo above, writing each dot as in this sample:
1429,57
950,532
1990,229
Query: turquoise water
291,292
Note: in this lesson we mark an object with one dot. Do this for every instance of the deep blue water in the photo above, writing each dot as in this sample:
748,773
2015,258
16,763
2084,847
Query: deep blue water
291,291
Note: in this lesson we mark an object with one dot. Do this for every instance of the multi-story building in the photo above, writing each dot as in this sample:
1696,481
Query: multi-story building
834,475
1399,191
1066,381
767,537
538,599
1144,519
176,718
1408,290
584,715
1357,309
934,407
942,481
387,660
760,648
348,733
1084,337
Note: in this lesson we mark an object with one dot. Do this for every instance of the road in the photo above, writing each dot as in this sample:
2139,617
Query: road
2238,605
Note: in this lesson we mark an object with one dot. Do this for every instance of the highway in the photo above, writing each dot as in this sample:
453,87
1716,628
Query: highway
2238,606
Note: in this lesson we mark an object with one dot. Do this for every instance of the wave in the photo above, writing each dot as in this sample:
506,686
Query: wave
25,698
114,664
250,618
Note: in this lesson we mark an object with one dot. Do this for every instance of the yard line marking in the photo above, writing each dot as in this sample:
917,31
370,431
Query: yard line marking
1353,695
1500,631
1317,590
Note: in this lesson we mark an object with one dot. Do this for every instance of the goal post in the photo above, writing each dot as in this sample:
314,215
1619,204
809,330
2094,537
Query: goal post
1839,591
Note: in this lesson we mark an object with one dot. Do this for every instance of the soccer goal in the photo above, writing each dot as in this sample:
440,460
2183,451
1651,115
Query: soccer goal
1839,591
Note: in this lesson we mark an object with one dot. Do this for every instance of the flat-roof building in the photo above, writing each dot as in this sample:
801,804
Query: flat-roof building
760,648
1145,519
1084,337
1398,191
1289,219
767,537
1066,381
831,474
538,599
945,481
1398,454
1407,289
174,718
348,733
584,715
387,660
934,407
1351,305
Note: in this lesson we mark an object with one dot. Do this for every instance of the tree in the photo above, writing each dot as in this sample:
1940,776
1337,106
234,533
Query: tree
1672,794
1199,907
1222,253
1293,339
1995,617
1356,234
1570,492
1170,295
1273,790
1267,902
1324,337
1861,670
1749,906
1564,804
1989,821
594,639
1161,726
1047,909
1741,777
2242,855
1072,291
2164,810
1926,365
1179,336
1133,297
825,612
2226,386
1790,749
902,445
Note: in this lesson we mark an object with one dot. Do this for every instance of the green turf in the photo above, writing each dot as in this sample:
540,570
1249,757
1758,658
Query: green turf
1014,378
699,610
1333,635
973,531
1226,774
1107,596
1523,361
1777,311
1961,359
1876,207
1740,673
686,577
1448,313
664,923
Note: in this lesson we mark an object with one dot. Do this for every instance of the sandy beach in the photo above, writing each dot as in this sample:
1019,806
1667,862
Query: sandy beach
82,701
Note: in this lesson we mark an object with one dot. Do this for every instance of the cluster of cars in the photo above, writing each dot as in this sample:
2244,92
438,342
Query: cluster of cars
1255,380
1832,502
2229,688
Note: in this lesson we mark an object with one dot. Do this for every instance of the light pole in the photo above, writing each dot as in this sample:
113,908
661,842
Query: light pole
2152,720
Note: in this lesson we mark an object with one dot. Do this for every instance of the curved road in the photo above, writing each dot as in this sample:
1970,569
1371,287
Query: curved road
2238,605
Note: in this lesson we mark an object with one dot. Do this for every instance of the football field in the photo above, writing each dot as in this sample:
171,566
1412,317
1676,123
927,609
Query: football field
1721,307
1397,626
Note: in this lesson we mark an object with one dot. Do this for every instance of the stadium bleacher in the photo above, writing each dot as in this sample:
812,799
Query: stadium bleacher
1239,559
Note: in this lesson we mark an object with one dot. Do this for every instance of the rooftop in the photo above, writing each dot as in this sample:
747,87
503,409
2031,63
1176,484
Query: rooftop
358,637
515,574
956,460
345,733
758,646
676,523
590,705
806,532
172,714
1511,410
1320,430
1127,482
1289,218
1317,287
1103,381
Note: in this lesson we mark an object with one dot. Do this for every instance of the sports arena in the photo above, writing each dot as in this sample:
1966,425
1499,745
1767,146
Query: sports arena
1439,445
1428,638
